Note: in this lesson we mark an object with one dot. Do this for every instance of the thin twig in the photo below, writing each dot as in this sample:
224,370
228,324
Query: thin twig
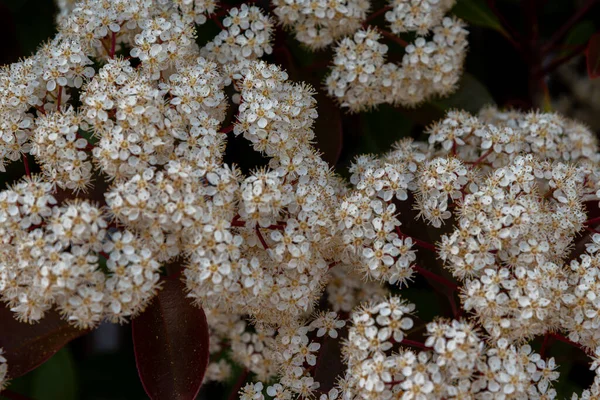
480,159
563,339
238,385
561,60
568,25
26,164
113,45
376,14
508,32
545,344
435,277
227,129
393,37
216,21
414,343
261,238
418,242
592,221
59,97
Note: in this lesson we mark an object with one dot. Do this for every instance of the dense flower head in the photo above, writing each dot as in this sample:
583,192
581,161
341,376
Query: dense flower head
317,24
127,118
247,36
51,255
362,79
416,15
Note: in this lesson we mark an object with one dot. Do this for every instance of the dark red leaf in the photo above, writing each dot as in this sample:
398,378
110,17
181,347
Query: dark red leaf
27,346
171,345
593,56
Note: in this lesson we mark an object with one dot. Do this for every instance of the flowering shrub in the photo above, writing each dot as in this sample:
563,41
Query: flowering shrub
128,207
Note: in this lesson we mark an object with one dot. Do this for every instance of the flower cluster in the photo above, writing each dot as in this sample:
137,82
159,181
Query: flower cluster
60,151
247,36
292,351
51,256
128,120
267,246
417,15
361,78
455,362
514,233
317,24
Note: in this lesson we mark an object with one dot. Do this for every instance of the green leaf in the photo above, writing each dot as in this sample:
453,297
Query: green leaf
382,127
580,33
476,12
428,306
471,96
55,379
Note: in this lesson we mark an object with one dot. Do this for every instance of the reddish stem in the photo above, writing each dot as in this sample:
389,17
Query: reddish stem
591,221
26,164
227,129
435,277
545,344
239,223
563,339
480,159
414,343
103,254
59,97
418,242
261,238
216,21
393,37
456,311
314,367
376,14
113,45
238,385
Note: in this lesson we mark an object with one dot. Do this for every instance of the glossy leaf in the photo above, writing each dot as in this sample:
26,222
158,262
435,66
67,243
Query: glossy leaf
593,56
382,127
29,345
56,379
477,12
470,96
580,33
171,345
